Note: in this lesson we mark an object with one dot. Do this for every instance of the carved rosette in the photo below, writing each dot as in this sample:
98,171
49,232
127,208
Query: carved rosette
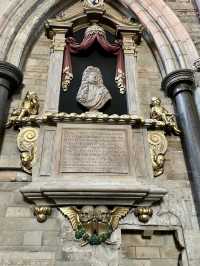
158,148
26,142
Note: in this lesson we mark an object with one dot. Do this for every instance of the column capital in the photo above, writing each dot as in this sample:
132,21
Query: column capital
173,83
53,27
196,65
56,32
10,76
131,37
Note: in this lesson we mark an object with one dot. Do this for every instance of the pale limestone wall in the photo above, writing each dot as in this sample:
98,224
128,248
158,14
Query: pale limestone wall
21,231
158,250
23,241
186,12
35,72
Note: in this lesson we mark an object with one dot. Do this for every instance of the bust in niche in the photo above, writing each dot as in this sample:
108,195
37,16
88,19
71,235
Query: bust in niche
92,93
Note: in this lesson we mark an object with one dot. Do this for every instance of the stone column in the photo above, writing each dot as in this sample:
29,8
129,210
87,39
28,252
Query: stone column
179,86
10,79
196,67
197,3
131,36
57,35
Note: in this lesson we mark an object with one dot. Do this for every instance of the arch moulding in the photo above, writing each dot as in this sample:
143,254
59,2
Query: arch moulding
23,21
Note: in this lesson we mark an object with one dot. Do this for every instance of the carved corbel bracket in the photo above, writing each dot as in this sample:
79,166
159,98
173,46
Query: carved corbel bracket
42,213
143,213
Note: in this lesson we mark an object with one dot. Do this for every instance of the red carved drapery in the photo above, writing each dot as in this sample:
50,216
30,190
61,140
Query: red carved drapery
72,47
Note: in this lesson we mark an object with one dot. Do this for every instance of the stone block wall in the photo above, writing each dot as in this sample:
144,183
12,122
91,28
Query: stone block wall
187,13
159,249
24,241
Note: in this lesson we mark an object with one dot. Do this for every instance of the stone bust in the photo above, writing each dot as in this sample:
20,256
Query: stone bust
92,93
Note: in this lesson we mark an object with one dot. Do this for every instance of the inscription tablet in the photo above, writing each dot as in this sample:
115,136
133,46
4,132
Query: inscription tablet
94,151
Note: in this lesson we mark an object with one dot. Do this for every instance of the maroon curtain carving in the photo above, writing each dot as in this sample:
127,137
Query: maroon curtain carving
72,47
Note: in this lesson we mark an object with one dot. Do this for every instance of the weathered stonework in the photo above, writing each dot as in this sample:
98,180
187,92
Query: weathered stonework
26,242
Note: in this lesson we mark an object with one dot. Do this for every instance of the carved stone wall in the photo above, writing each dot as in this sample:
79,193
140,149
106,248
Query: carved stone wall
26,242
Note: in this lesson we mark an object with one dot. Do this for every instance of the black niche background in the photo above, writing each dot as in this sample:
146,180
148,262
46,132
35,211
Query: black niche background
107,64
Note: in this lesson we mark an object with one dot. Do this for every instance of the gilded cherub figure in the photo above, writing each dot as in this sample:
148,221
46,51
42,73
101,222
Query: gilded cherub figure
29,106
92,225
159,113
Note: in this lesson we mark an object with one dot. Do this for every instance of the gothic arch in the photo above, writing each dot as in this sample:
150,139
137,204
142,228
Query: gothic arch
23,21
167,31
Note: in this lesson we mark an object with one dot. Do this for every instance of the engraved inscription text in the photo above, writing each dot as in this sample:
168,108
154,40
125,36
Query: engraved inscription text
94,151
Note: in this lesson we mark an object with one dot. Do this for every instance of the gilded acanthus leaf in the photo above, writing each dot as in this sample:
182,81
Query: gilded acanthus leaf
116,214
72,214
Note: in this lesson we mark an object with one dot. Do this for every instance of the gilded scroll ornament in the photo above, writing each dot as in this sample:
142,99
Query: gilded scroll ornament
92,93
158,148
159,113
143,213
29,106
92,225
42,213
89,117
26,142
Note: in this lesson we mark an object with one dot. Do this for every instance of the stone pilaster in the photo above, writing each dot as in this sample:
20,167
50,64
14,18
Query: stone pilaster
57,36
179,86
131,37
10,79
